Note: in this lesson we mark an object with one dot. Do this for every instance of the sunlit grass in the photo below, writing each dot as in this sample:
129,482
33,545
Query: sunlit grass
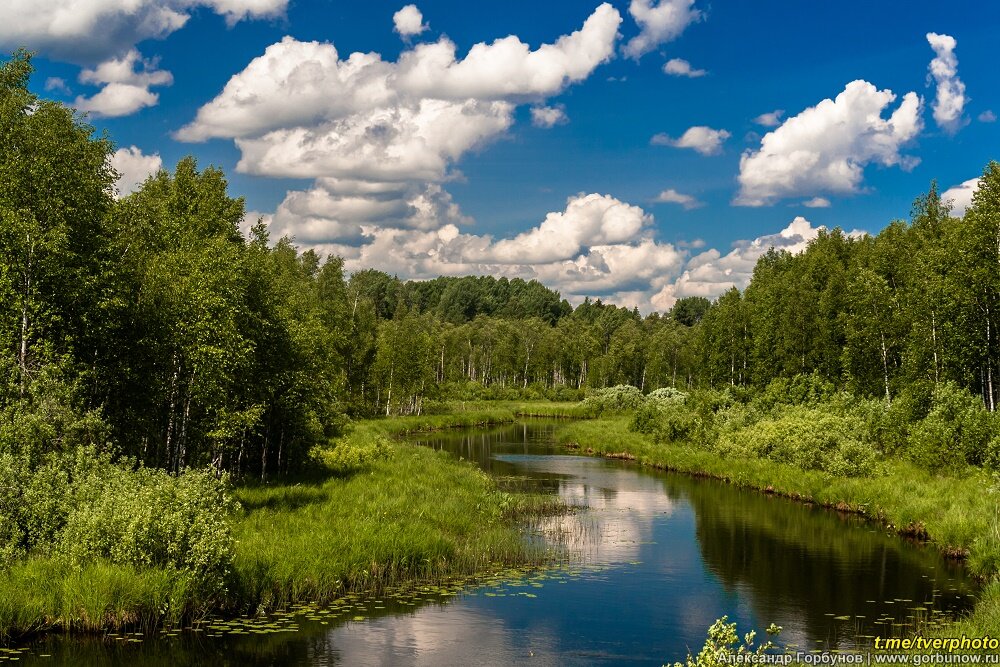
42,593
417,515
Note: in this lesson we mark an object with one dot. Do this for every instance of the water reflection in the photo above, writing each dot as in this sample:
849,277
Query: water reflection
830,579
656,559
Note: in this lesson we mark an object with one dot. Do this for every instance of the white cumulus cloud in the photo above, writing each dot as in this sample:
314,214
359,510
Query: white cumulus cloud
596,246
125,89
943,70
701,138
817,202
381,138
91,31
681,67
104,33
671,196
659,23
134,168
589,220
408,21
56,84
825,148
548,116
960,196
987,117
508,67
770,119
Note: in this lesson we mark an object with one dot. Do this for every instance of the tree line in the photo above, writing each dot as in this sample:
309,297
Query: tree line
151,326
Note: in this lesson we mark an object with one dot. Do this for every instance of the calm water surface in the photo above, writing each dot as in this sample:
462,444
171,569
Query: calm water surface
654,559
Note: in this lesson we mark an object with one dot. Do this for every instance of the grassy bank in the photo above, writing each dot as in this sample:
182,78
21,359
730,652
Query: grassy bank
478,413
418,515
409,514
958,514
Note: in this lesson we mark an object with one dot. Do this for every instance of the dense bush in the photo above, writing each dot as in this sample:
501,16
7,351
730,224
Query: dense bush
956,431
668,422
148,518
666,395
352,453
62,493
83,507
800,389
806,437
620,398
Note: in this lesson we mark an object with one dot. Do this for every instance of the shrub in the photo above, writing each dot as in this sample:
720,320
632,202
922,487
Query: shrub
148,518
353,453
564,393
723,647
956,431
677,423
801,389
673,416
805,437
646,419
620,398
992,458
666,395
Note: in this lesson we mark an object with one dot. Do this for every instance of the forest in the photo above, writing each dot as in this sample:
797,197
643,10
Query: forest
151,350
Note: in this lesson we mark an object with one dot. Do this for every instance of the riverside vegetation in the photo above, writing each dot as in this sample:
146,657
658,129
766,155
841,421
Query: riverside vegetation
913,470
167,375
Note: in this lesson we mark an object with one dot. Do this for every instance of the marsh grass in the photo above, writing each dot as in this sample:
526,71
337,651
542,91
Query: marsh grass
418,515
42,594
411,515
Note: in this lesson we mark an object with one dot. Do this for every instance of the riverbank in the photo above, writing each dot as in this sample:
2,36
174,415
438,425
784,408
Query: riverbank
957,514
409,514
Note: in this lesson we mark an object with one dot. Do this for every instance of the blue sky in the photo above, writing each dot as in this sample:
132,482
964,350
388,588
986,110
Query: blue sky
574,163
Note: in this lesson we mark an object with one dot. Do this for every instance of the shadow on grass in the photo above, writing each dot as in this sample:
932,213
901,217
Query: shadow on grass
281,498
291,492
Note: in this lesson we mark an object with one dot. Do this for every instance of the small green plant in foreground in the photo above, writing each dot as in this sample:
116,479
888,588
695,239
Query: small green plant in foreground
723,646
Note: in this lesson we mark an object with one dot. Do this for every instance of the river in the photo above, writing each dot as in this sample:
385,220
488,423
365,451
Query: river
653,559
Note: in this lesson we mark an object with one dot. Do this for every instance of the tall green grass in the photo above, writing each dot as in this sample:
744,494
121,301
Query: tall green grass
415,514
418,515
42,593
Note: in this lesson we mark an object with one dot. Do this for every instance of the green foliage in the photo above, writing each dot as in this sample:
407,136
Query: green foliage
805,437
45,413
352,454
800,389
146,518
666,395
690,310
617,399
85,508
723,646
672,422
956,431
